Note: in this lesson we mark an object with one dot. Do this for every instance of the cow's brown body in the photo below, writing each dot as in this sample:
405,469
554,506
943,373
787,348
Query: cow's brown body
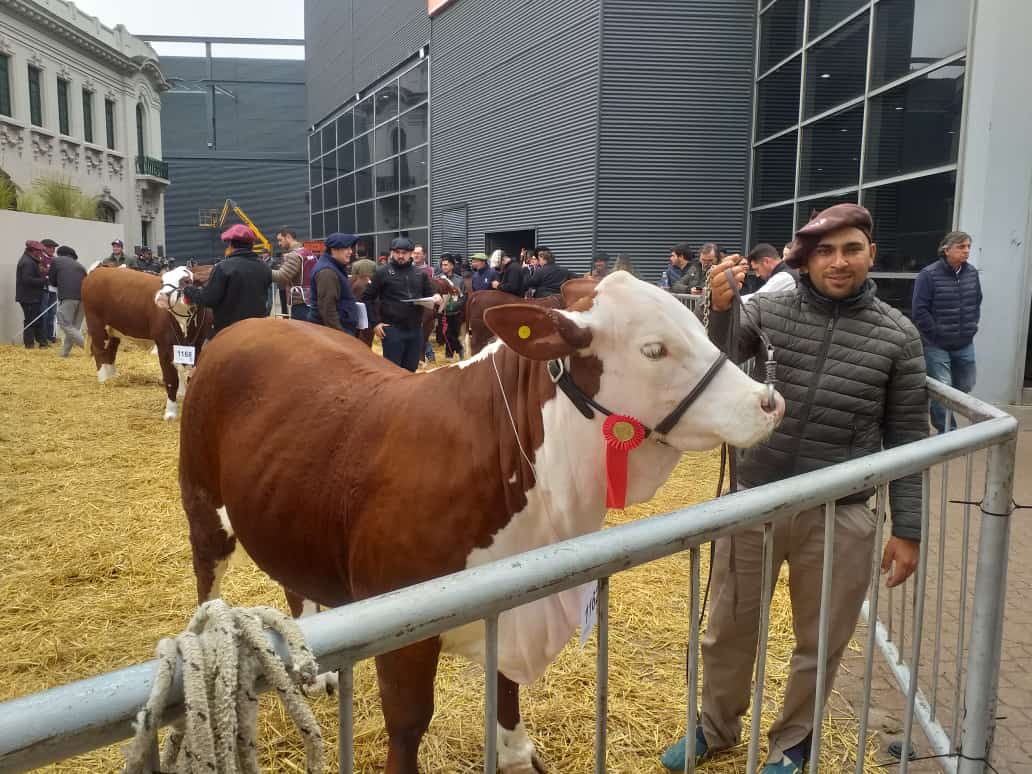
119,302
369,526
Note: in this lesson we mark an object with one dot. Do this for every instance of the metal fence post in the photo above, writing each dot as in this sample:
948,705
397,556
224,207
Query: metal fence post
987,611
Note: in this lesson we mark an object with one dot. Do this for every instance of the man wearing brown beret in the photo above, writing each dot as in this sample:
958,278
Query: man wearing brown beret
852,373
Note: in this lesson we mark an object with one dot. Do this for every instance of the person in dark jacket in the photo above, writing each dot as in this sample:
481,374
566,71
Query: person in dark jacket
333,303
680,258
851,372
49,299
512,278
548,280
238,285
483,275
67,274
947,307
398,322
29,287
454,308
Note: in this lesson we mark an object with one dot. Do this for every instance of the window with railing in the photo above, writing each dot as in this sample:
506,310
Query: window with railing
64,123
145,165
87,115
109,120
5,85
35,96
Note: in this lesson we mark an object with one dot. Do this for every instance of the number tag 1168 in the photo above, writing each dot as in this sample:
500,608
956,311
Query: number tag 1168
183,355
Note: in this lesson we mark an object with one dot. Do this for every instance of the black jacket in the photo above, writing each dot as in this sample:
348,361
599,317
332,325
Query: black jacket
547,280
947,304
391,285
67,274
512,279
28,286
852,374
236,290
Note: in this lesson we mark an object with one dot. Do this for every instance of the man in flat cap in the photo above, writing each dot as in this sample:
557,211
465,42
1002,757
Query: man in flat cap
238,285
332,302
29,286
851,371
49,299
398,322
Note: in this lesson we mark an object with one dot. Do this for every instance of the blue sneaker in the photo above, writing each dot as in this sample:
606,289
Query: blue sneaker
673,757
793,760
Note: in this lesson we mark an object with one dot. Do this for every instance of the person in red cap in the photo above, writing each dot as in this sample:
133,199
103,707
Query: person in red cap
28,291
239,284
852,373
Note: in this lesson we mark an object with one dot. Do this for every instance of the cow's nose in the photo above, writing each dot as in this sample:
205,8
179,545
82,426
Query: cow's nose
775,409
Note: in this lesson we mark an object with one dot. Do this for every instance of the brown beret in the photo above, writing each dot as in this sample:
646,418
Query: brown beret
846,215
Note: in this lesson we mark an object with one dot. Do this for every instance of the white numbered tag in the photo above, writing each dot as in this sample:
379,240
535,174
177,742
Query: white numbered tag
183,355
589,610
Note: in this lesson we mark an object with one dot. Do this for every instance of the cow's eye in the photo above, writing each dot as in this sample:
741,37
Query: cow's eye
654,351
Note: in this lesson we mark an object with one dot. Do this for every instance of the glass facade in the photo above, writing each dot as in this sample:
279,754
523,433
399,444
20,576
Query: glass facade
867,110
368,164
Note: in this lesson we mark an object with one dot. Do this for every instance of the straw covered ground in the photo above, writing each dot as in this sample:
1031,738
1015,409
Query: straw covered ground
96,569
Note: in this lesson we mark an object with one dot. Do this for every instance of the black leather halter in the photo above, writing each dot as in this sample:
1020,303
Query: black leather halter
585,405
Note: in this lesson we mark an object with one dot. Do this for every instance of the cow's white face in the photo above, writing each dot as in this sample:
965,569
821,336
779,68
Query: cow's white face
170,296
654,352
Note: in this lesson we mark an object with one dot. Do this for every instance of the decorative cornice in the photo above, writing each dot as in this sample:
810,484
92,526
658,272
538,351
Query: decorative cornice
64,73
69,33
12,137
5,45
37,61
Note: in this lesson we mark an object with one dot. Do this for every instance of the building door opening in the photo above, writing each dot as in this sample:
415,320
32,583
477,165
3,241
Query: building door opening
510,242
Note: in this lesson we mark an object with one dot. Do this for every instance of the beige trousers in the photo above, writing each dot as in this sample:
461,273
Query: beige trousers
729,644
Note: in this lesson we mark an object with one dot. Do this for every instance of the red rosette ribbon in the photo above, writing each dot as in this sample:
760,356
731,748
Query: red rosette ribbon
621,434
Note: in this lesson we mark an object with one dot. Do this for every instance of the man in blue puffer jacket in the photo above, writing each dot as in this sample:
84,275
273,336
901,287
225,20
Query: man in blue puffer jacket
947,305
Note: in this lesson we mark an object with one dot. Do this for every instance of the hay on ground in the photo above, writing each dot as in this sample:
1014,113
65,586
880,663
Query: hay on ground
97,569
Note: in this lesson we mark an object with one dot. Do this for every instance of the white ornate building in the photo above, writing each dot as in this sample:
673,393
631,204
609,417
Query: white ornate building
79,100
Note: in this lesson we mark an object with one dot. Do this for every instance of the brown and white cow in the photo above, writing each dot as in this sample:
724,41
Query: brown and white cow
534,470
121,303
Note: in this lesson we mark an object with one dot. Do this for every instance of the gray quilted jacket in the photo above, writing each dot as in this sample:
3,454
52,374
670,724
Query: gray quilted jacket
853,377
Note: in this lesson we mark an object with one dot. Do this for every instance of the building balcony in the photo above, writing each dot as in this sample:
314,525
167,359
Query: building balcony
148,167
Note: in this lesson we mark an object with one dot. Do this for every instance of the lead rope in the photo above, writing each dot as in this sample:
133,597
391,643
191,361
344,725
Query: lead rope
225,652
728,455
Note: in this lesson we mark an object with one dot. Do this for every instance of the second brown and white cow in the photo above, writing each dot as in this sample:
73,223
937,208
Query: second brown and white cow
534,466
121,303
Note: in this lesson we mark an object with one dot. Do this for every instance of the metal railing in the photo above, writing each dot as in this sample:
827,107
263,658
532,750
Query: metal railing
145,165
691,300
89,714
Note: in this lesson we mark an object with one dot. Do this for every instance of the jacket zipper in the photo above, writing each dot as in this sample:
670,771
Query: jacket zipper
822,355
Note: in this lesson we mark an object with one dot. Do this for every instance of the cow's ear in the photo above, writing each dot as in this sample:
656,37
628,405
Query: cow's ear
579,293
536,333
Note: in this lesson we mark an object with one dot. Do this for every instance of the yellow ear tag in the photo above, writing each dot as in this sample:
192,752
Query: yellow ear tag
523,331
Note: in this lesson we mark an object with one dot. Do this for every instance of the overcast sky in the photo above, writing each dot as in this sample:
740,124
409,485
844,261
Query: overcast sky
227,18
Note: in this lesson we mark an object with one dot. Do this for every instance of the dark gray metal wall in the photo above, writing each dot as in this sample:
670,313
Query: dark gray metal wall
349,44
514,87
676,114
261,155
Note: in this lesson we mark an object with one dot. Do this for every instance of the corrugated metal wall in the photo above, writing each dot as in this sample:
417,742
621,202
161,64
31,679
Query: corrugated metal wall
514,120
261,155
676,114
349,44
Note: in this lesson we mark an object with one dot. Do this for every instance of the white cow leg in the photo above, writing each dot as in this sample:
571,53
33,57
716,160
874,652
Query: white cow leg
105,372
183,376
171,409
516,752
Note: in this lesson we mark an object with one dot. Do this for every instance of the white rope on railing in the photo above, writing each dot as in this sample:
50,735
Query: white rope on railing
224,653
